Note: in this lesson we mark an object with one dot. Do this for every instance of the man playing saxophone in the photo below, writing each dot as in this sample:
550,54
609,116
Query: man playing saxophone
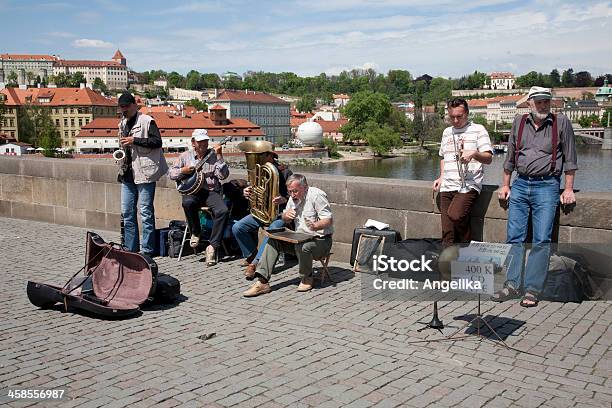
142,165
465,147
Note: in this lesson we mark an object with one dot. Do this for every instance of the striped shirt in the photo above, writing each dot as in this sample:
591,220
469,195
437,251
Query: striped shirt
474,137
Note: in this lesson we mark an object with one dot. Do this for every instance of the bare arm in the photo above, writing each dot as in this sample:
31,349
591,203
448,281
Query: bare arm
438,182
567,196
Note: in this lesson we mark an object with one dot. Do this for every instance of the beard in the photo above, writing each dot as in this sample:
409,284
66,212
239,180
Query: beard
539,116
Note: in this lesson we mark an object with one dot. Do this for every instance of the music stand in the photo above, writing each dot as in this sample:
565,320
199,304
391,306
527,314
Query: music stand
478,319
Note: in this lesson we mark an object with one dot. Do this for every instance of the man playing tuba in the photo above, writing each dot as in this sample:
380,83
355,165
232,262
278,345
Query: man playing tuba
245,230
465,147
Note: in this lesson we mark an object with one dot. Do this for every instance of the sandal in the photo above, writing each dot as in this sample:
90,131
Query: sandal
529,300
507,293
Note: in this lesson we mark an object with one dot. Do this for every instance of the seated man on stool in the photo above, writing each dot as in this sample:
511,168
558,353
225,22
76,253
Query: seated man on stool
215,169
245,230
308,207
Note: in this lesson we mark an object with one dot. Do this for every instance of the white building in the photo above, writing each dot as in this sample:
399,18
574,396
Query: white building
26,66
14,148
272,114
113,73
161,82
340,100
180,94
501,80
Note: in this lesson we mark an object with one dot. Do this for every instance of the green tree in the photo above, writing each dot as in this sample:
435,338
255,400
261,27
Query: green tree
398,122
332,148
61,80
26,127
193,80
555,78
211,81
530,79
567,79
30,77
175,80
99,85
12,79
198,104
365,107
77,79
306,104
583,79
47,135
587,121
380,138
439,90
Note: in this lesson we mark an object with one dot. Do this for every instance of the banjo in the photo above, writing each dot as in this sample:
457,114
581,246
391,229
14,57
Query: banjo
197,179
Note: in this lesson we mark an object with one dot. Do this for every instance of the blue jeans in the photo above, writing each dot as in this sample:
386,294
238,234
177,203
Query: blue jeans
138,197
542,198
245,232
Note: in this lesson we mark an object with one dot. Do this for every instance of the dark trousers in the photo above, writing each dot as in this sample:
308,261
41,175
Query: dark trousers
213,200
455,209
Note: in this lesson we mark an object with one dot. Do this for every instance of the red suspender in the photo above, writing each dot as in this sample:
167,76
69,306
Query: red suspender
555,142
517,147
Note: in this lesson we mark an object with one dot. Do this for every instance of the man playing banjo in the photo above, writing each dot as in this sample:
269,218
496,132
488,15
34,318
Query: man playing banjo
214,170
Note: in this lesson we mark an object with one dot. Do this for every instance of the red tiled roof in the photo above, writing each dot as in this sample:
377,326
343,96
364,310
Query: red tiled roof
481,103
217,107
332,126
118,55
510,98
247,96
176,126
295,122
88,63
57,96
39,57
501,75
189,110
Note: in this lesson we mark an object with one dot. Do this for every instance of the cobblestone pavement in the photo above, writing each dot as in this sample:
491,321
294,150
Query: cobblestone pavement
325,348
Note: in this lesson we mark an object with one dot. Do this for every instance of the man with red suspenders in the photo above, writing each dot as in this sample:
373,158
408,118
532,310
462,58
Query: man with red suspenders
541,146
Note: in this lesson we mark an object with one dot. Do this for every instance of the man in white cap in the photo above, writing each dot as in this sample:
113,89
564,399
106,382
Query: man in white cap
541,146
215,169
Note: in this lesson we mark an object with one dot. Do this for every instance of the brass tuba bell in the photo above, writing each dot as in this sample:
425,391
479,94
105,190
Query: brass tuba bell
263,179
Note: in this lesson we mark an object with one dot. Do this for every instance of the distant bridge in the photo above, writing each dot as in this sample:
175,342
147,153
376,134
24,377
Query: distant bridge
595,134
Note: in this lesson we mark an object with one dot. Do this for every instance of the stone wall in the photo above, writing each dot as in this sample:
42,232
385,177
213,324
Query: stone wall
85,193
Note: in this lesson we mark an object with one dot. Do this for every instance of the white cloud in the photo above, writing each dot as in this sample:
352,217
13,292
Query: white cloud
86,43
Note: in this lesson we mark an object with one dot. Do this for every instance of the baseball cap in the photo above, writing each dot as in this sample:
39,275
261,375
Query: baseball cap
538,92
200,135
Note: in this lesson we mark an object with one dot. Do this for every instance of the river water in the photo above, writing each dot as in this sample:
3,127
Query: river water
594,168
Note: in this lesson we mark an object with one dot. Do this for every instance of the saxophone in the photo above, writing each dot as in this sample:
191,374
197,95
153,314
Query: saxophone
263,179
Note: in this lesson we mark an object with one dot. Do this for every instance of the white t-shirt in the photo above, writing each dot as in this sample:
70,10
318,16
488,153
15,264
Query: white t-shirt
474,137
314,206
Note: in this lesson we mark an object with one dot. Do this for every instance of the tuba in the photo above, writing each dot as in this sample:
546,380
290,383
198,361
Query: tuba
263,179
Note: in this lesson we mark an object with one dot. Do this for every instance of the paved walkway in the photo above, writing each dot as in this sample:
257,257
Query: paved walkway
325,348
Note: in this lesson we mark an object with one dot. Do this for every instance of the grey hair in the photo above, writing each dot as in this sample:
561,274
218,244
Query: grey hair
300,178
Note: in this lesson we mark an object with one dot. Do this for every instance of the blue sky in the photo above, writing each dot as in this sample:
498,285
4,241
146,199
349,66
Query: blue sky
438,37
